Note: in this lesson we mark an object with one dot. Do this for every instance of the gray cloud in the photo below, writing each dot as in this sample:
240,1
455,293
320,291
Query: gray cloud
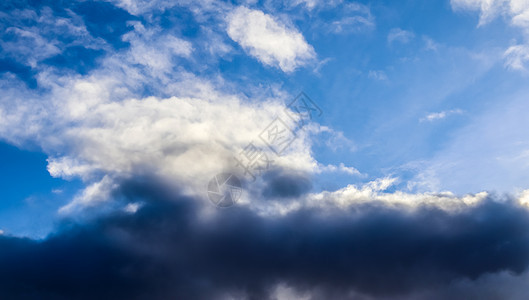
170,249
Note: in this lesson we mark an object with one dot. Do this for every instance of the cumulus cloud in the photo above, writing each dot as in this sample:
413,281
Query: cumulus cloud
99,127
143,133
185,139
270,41
376,192
157,58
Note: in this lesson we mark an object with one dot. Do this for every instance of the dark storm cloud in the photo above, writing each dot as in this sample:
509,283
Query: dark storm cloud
284,184
167,251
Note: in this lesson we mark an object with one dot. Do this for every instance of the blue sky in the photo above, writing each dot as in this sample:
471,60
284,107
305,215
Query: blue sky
115,115
420,92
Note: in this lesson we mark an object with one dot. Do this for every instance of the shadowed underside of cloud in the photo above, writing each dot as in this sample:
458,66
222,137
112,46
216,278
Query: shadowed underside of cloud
172,249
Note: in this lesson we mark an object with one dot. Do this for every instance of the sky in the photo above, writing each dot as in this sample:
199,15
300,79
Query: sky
380,147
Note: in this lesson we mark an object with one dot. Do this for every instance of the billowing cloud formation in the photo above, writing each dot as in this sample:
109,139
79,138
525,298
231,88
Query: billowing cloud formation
145,133
170,249
268,40
99,127
185,139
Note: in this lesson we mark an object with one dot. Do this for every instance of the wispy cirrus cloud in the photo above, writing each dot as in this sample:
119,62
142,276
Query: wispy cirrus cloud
516,11
377,75
354,17
441,115
400,35
516,57
31,36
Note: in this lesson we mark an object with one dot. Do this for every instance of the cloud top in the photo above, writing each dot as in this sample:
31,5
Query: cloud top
272,42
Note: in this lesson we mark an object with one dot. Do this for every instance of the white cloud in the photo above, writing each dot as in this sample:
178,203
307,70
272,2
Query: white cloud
100,128
139,7
132,208
516,10
270,41
375,192
441,115
347,17
400,35
92,195
516,57
30,36
156,58
340,168
354,17
309,4
202,9
430,44
377,75
312,4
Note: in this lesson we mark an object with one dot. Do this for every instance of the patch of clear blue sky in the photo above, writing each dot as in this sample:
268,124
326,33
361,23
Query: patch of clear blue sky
380,116
30,196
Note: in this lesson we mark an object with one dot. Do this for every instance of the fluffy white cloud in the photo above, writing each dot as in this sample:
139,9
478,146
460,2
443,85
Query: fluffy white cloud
157,58
185,140
375,192
100,128
269,40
